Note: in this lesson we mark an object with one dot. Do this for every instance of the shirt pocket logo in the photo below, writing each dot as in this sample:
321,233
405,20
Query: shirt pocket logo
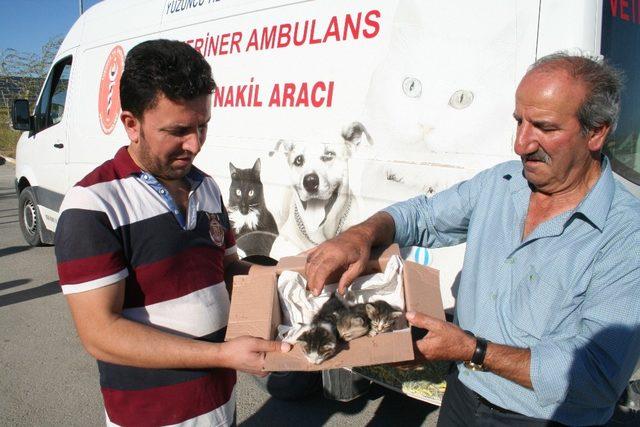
216,229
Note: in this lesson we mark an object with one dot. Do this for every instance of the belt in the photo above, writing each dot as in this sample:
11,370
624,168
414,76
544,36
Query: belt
493,407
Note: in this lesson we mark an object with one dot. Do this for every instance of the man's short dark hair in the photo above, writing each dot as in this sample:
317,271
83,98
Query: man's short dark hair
163,67
603,82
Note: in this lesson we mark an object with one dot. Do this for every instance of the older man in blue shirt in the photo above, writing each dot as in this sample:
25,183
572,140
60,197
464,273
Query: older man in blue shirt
548,308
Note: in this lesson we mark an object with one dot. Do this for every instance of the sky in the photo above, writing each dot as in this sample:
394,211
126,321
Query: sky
26,25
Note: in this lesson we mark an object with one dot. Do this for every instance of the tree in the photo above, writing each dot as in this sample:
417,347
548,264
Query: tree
21,76
26,70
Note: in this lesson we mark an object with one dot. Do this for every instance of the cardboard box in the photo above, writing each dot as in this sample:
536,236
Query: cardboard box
255,310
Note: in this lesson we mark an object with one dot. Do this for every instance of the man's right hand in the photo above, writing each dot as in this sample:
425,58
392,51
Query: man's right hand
247,353
347,252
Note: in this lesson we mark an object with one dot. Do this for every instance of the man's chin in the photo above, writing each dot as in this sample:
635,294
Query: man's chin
176,172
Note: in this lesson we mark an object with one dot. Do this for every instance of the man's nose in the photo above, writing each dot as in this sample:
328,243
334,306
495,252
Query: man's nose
526,141
192,142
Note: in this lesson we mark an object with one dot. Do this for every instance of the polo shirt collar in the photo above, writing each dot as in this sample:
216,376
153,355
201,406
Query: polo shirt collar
594,206
125,166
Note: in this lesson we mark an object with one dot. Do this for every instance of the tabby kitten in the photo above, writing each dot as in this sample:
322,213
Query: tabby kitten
247,209
382,316
320,340
353,323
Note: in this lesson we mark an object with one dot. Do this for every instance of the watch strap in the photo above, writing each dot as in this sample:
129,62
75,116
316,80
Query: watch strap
480,351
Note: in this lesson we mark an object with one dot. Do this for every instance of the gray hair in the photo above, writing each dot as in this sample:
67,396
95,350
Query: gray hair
603,82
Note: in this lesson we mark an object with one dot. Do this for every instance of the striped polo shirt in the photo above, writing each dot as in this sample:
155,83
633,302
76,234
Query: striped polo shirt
120,223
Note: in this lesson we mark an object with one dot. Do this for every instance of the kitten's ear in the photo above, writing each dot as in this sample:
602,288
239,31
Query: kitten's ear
233,170
371,310
256,167
302,338
396,314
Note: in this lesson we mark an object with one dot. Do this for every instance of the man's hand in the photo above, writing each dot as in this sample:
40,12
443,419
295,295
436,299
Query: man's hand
348,253
444,341
247,353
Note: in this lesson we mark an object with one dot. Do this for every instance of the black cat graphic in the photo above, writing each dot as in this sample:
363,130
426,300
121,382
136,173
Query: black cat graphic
248,212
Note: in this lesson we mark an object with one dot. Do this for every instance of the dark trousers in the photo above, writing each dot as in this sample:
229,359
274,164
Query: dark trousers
461,406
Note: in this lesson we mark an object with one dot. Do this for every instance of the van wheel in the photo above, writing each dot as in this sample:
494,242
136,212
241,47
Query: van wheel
29,218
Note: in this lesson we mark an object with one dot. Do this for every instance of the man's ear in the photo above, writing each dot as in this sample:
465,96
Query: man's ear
131,125
597,138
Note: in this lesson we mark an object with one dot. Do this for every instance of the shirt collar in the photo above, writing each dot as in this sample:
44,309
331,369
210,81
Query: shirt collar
595,205
125,166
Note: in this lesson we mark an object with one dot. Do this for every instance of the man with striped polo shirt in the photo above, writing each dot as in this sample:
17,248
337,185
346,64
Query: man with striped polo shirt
144,246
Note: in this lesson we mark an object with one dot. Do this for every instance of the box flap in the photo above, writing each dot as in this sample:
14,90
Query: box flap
384,348
423,294
252,312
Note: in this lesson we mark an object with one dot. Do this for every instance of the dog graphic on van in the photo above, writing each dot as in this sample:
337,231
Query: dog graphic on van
320,204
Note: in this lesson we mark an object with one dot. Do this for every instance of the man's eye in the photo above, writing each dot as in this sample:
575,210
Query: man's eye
179,132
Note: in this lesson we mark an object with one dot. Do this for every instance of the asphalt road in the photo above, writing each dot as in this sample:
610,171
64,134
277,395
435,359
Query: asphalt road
46,378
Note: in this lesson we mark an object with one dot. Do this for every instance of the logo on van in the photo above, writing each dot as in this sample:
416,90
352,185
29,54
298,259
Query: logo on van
109,96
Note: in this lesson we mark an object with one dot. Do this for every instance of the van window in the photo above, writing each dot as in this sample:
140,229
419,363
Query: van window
620,44
50,107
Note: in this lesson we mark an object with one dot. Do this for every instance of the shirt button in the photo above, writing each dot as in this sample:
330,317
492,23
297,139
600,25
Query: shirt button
145,177
162,191
494,296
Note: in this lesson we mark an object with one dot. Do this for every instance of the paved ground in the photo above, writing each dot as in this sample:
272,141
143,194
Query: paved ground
47,379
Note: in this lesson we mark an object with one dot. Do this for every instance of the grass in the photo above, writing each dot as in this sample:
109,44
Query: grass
8,136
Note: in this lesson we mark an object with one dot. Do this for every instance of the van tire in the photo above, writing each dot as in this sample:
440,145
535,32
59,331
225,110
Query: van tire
291,386
29,217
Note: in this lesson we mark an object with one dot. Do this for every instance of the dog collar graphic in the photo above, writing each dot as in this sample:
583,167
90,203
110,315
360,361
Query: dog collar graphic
303,229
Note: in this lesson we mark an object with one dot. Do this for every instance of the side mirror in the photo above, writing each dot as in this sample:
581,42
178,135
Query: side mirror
20,116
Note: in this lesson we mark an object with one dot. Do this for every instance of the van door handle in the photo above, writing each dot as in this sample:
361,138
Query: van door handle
59,145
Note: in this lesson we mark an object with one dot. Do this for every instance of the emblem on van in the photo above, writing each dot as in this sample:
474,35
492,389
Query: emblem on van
109,95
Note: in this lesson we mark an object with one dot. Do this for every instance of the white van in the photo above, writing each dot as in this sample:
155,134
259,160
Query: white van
338,108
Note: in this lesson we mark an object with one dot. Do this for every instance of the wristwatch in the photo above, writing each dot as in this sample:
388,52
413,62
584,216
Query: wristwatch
477,360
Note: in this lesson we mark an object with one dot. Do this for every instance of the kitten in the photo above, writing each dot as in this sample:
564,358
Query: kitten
382,316
320,340
353,323
247,209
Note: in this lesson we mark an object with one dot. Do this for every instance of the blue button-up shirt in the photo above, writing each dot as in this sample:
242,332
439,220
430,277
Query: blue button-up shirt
195,178
570,291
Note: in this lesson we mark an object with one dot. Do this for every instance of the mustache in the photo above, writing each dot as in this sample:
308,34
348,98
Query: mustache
539,156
